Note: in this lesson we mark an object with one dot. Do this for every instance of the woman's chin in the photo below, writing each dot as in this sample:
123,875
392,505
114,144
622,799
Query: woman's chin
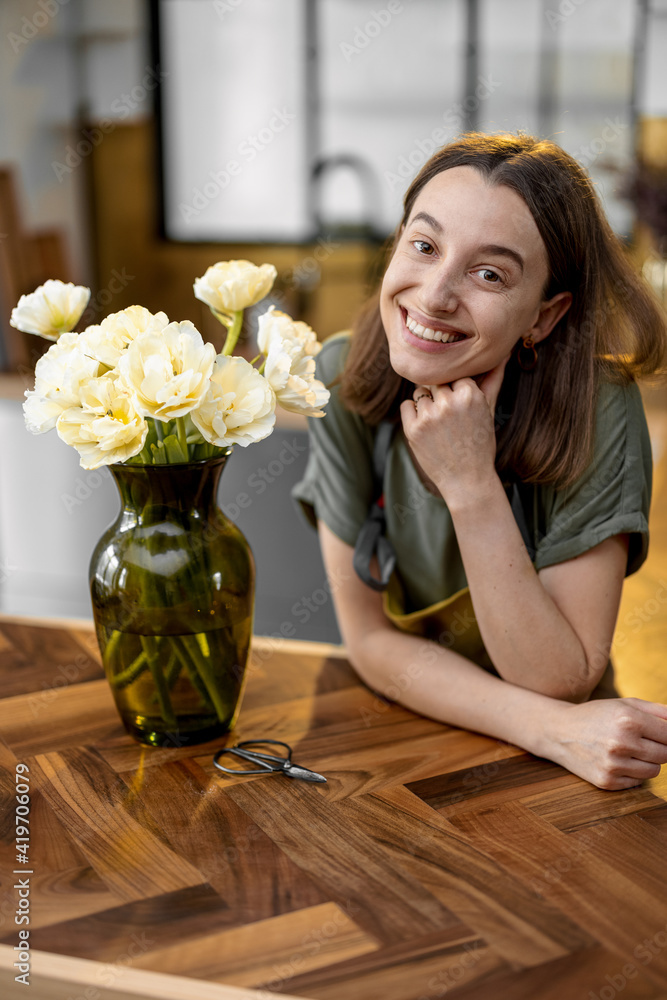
421,372
411,368
435,370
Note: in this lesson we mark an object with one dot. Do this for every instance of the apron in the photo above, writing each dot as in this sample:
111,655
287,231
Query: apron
451,622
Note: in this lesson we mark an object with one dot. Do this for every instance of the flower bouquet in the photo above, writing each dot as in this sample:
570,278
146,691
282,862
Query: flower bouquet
172,580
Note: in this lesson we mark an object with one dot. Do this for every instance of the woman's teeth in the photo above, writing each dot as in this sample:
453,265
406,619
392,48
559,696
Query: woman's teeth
426,333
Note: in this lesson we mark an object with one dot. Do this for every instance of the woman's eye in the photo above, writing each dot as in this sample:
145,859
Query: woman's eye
489,276
423,247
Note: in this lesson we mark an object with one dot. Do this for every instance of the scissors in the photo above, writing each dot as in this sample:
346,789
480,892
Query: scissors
266,762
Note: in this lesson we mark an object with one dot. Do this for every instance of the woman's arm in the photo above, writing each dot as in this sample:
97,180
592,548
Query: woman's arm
549,631
613,744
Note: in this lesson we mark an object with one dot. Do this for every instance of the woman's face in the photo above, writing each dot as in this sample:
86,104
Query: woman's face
466,280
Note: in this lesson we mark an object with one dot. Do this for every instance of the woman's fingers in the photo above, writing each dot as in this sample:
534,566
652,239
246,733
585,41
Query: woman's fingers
645,721
629,776
648,750
650,707
408,411
643,769
613,743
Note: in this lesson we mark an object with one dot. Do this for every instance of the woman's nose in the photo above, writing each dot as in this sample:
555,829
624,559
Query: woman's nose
439,290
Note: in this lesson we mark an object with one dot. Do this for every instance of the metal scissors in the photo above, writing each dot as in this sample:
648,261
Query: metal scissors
266,762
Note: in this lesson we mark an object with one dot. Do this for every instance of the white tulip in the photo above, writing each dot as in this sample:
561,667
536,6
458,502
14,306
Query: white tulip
232,285
51,310
167,373
59,377
105,428
107,341
275,324
239,407
291,374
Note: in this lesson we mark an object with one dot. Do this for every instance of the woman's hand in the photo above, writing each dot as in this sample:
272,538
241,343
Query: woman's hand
614,743
451,431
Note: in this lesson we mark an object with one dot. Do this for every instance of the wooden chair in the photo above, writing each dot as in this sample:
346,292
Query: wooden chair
27,259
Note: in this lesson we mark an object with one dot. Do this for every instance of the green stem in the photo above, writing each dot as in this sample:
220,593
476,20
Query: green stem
172,669
130,673
110,648
202,642
182,437
262,367
159,453
150,648
205,671
225,318
195,679
233,333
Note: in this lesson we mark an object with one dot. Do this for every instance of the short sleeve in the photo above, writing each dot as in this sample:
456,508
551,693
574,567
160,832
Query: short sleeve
612,496
337,486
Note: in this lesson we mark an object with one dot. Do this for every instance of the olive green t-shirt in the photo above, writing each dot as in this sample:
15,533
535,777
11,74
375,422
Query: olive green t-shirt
610,498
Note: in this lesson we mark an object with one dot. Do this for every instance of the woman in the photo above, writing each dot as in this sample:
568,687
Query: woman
503,348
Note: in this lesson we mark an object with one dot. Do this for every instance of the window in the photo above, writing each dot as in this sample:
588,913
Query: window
282,118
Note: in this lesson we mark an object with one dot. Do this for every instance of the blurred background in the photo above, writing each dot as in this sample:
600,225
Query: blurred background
141,142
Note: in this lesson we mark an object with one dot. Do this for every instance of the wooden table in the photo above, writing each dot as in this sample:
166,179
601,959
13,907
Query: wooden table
434,862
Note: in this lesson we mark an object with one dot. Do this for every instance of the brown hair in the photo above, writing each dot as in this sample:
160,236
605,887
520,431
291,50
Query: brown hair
614,329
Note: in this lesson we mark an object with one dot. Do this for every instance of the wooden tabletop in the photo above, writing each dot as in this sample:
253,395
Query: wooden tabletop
433,862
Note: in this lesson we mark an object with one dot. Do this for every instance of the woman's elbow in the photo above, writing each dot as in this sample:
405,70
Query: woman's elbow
580,681
364,652
575,685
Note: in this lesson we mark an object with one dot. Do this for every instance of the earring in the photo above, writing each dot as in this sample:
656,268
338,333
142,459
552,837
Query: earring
527,363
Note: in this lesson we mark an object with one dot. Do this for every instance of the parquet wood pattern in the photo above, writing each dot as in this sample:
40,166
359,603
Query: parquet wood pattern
434,862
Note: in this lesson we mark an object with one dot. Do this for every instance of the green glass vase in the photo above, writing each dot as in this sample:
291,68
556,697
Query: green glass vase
172,585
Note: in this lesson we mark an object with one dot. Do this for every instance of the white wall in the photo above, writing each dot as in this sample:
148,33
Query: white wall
52,513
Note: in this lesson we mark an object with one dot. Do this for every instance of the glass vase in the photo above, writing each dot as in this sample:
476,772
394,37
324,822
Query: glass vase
172,585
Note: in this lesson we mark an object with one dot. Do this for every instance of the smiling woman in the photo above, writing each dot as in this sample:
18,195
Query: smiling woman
485,460
469,270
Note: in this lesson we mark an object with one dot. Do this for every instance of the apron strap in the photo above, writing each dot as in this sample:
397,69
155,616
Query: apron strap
372,540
